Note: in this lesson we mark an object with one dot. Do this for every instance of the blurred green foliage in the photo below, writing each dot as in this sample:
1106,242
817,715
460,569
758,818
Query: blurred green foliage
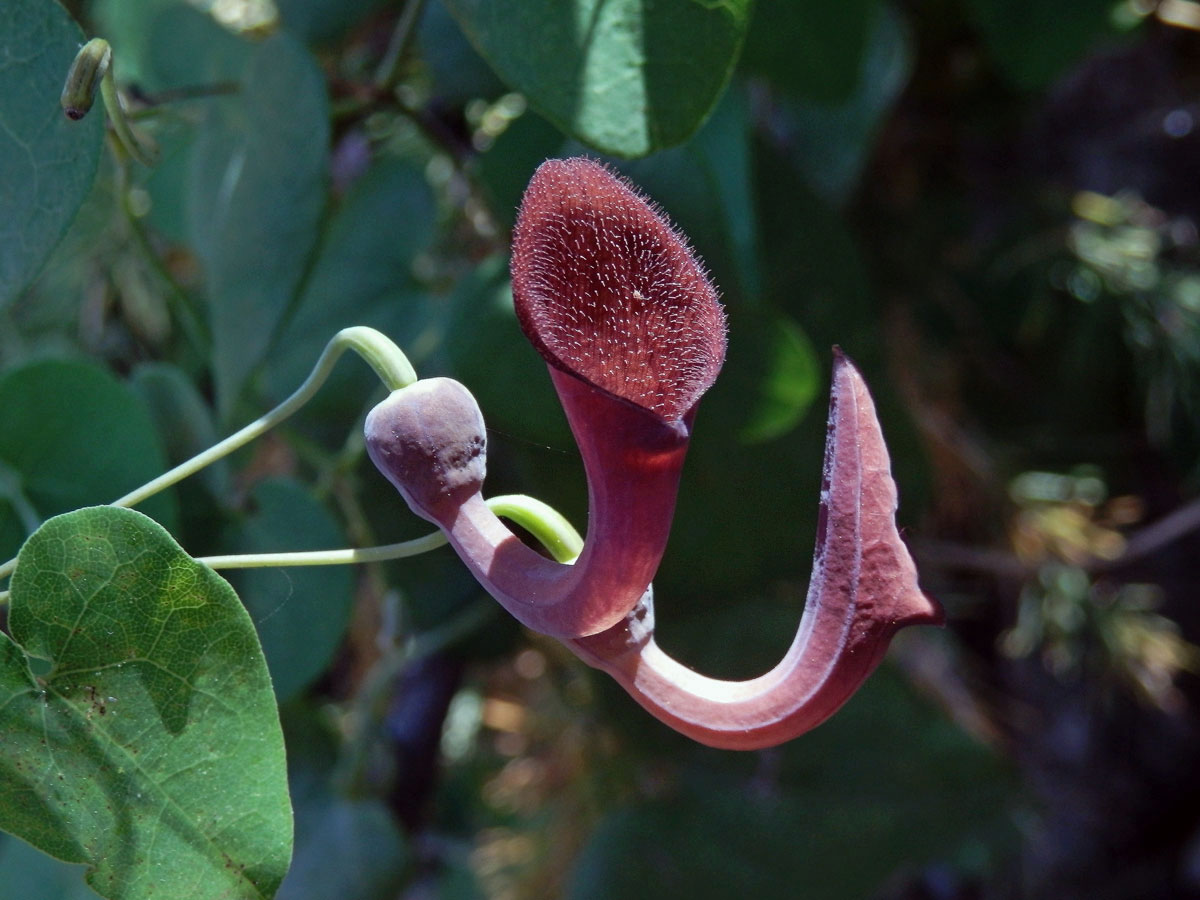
921,184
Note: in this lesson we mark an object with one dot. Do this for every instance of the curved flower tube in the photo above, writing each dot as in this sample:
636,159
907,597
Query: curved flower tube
863,589
633,334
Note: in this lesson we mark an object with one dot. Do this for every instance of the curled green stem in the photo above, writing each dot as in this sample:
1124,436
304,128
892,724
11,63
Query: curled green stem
378,351
136,146
548,526
87,70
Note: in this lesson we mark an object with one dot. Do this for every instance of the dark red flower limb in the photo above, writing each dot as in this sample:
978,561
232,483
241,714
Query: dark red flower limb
429,440
863,589
633,334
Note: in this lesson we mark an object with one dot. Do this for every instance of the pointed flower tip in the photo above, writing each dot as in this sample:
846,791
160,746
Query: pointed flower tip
896,584
609,292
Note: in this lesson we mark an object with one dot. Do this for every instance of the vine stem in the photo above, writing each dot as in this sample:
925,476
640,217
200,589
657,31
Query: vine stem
377,350
327,557
548,526
134,145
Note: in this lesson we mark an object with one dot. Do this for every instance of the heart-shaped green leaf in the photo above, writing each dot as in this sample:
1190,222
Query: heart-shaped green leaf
149,745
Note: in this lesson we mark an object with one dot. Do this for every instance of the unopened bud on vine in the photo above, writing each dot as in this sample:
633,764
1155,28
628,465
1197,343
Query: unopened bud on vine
429,440
83,80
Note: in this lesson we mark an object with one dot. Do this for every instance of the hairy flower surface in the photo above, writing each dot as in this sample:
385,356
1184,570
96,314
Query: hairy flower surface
612,297
633,333
608,291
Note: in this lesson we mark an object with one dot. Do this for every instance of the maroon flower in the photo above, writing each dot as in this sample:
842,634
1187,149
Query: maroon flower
633,333
863,589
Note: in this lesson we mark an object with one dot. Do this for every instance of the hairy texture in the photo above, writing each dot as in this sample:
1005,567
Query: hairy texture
609,292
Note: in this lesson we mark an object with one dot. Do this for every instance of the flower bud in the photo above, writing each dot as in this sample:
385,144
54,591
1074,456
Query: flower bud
429,440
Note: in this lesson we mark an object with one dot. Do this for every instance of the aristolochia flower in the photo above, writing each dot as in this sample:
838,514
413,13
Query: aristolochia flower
612,297
633,334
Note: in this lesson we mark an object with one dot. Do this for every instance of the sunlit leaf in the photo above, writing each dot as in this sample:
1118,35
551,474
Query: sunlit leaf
624,77
48,162
149,745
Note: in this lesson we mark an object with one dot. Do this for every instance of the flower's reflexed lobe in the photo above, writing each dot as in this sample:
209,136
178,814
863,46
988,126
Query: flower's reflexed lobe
863,589
609,292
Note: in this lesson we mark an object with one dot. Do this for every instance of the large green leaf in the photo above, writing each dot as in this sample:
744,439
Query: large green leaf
623,76
363,275
148,745
48,162
255,197
73,436
301,616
